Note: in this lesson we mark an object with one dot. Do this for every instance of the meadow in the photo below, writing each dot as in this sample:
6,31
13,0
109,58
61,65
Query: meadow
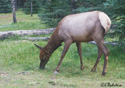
19,61
24,22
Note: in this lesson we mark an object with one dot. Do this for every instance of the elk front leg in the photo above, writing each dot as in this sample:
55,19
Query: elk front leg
79,48
66,47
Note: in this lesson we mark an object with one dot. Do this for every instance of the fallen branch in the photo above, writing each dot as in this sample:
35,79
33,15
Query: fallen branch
6,34
111,43
36,38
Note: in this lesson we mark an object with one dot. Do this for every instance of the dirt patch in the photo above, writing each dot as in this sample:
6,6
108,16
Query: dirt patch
5,16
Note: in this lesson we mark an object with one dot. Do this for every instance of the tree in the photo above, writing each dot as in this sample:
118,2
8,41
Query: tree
5,6
73,5
35,6
31,8
14,14
20,3
116,10
53,11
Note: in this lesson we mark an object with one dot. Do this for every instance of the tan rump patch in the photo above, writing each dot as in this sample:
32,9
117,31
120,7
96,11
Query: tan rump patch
105,21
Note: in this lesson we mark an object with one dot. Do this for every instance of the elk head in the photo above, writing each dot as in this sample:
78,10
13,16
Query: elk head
44,56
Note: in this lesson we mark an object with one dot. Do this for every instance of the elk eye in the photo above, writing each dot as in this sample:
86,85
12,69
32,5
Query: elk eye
47,52
44,57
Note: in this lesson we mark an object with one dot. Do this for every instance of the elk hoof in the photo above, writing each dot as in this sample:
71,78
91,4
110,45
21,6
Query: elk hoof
42,67
103,73
82,67
93,70
55,72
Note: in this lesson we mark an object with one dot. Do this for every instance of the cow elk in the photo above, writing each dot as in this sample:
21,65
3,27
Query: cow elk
77,28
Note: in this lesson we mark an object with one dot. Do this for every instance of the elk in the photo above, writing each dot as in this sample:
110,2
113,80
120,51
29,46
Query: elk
77,28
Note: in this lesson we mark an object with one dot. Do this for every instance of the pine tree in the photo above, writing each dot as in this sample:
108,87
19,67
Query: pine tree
20,3
5,6
53,11
35,6
116,10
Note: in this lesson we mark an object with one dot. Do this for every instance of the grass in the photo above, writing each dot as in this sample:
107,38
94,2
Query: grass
24,22
19,63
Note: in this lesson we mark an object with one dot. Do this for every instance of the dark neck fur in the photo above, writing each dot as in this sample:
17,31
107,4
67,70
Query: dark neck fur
53,43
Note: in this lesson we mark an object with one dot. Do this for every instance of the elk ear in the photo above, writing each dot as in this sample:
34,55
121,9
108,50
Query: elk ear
38,46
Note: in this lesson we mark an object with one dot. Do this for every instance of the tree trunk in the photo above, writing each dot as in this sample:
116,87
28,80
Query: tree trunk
73,5
31,8
16,6
36,38
14,14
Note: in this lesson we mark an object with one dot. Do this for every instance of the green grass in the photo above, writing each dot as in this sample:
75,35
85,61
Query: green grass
24,22
19,61
22,56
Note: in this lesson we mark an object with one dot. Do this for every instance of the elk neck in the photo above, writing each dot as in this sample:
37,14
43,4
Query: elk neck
54,42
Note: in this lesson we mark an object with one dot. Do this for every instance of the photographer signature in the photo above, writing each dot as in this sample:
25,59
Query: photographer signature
108,84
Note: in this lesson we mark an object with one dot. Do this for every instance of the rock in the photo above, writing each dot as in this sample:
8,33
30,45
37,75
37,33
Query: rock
55,72
52,83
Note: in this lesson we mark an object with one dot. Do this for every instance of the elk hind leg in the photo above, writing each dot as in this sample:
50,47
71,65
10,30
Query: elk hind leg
98,59
106,53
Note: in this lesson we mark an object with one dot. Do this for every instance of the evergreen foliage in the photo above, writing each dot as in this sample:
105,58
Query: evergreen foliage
5,6
27,6
116,10
54,10
20,3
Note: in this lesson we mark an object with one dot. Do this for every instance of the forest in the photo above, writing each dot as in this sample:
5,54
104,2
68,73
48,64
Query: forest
19,58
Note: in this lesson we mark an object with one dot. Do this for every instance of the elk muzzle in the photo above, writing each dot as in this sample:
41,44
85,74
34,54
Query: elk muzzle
42,65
